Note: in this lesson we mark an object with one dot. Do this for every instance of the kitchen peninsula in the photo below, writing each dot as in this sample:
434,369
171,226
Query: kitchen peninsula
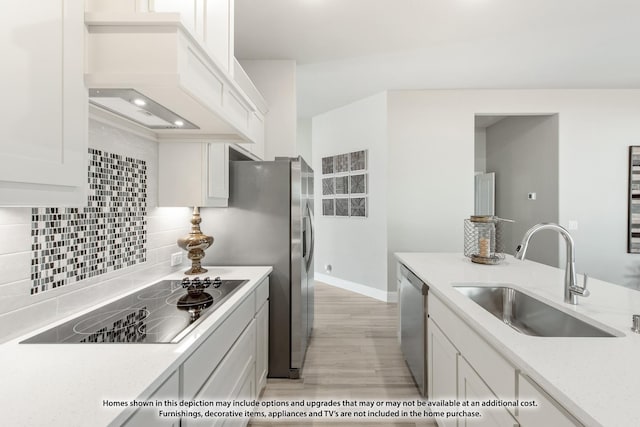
583,380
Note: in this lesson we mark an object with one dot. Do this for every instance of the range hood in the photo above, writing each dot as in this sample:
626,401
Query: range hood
150,69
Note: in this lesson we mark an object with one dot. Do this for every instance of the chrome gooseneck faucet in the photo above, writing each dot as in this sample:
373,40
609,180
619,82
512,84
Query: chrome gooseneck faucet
571,289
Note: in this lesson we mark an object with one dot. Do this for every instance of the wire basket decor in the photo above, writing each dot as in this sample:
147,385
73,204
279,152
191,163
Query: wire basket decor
483,240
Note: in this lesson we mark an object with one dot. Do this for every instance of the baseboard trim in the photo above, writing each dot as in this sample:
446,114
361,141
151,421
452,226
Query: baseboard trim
357,288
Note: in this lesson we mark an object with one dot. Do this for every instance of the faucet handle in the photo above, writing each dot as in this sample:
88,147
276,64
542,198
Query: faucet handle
581,291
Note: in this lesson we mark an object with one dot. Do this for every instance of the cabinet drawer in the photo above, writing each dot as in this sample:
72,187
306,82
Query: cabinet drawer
491,366
547,413
205,358
262,293
234,378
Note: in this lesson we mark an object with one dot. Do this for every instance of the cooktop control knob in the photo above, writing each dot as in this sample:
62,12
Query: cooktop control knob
207,281
196,281
186,282
217,282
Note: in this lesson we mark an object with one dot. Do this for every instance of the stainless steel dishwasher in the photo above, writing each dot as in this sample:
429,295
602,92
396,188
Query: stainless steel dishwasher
413,326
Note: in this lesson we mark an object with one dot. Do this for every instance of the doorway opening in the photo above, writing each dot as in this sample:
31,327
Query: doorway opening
516,177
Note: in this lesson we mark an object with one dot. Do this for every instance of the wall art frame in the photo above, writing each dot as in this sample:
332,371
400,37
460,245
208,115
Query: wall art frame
633,225
345,185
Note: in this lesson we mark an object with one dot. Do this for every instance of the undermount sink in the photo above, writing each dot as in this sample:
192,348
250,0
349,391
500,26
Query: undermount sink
527,314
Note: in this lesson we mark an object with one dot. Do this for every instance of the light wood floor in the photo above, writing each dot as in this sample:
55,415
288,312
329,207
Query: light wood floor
353,354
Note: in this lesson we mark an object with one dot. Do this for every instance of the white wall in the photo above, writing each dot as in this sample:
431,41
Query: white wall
431,169
276,81
431,163
356,248
20,311
523,153
480,160
303,140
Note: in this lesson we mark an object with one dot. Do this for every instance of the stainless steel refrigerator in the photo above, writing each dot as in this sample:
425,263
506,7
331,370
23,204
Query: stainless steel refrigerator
270,222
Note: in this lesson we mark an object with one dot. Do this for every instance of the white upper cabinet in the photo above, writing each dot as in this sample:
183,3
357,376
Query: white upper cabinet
178,56
196,173
211,21
43,151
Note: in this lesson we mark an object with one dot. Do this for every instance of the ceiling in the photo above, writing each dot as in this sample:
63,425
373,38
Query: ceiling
349,49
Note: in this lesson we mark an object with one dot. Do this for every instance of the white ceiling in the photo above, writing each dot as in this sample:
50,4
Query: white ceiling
349,49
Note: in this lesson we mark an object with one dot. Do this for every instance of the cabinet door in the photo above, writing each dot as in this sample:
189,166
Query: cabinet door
262,347
472,388
442,359
211,21
398,287
547,412
193,174
217,169
43,150
145,417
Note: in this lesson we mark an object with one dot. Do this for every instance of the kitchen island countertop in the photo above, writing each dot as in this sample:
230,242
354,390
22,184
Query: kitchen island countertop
596,379
65,384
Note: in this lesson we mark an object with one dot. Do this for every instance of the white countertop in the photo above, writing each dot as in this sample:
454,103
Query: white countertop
64,384
596,379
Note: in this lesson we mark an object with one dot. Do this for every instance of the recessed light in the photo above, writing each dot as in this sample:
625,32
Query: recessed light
140,102
178,123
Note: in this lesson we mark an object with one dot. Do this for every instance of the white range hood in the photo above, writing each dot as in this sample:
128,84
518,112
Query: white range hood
150,69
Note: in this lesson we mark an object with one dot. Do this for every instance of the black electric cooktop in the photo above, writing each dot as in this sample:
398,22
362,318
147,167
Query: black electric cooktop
164,312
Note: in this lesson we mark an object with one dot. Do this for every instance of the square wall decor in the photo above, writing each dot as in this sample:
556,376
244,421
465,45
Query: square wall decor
343,177
341,163
342,184
328,207
359,184
327,165
342,206
358,160
358,206
328,187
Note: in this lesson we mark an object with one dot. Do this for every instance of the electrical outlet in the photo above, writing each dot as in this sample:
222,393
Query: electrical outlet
176,259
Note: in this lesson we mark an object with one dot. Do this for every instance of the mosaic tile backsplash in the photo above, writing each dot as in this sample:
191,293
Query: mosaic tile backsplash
73,244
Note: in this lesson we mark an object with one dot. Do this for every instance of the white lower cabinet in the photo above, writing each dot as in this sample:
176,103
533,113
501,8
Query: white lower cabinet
463,365
233,379
262,347
204,360
472,388
145,417
443,368
231,364
262,335
548,412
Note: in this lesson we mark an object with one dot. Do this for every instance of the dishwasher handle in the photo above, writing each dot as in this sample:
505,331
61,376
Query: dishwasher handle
414,280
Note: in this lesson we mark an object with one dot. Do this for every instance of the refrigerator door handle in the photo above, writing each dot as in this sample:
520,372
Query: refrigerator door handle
311,232
304,238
